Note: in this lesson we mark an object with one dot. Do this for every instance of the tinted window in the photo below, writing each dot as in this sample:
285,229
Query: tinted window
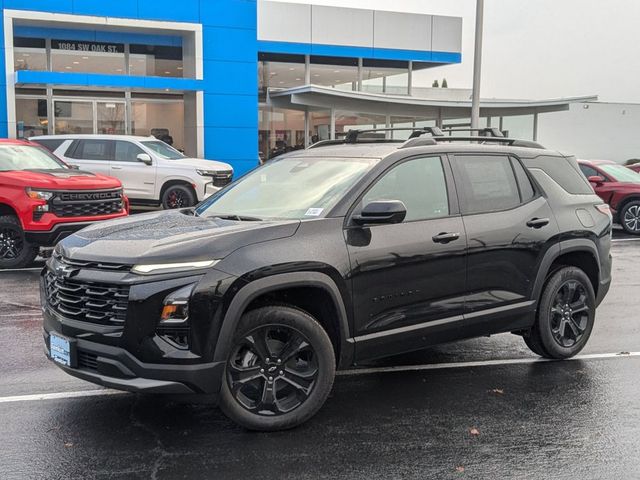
127,151
526,188
588,171
93,150
50,143
564,171
419,183
488,183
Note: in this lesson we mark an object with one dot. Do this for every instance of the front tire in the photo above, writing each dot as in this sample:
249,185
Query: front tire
280,369
630,217
566,315
178,196
15,251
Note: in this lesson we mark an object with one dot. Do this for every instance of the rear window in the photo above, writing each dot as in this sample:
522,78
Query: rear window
91,150
564,171
50,144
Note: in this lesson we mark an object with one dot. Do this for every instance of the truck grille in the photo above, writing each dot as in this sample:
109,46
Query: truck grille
86,203
89,302
222,178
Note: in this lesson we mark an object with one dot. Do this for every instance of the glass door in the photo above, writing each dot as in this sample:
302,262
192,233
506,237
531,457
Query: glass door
72,116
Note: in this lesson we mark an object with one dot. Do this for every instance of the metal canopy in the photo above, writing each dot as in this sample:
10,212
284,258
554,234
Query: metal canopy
322,98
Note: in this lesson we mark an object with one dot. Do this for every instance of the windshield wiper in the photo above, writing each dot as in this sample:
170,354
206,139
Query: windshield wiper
238,218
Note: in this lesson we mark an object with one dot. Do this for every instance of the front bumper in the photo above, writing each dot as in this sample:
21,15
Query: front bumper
114,367
49,238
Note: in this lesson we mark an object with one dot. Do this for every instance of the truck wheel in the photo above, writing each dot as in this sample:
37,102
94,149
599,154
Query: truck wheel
280,370
178,196
566,315
630,217
15,251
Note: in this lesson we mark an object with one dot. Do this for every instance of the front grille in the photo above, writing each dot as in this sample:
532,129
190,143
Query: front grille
88,302
87,360
86,203
222,178
91,265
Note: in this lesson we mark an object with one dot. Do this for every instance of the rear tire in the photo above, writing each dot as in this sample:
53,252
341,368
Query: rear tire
566,315
280,370
178,196
630,217
15,251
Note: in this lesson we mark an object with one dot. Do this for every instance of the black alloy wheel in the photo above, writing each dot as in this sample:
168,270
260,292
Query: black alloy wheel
178,196
630,218
279,371
565,316
11,243
15,250
273,370
569,314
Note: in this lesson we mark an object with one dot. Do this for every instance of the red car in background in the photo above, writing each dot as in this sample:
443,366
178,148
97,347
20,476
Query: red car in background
42,200
619,186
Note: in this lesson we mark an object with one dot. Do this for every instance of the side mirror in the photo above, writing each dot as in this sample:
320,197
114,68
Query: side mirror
381,211
74,167
144,158
597,179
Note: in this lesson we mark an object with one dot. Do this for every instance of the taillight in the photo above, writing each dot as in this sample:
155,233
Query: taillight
605,209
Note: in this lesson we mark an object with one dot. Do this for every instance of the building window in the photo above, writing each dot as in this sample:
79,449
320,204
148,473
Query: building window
390,77
163,119
110,118
341,74
90,57
29,54
32,112
153,60
346,121
73,116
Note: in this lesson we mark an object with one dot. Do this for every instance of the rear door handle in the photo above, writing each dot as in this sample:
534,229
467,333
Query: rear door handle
445,237
116,168
538,222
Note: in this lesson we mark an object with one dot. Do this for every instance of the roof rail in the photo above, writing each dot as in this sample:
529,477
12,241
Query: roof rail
483,132
514,142
353,135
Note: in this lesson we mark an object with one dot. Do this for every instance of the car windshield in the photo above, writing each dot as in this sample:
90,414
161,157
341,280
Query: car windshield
163,150
620,173
289,188
26,157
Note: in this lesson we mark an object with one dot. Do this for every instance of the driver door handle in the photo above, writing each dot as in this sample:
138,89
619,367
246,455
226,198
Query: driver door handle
445,237
115,168
538,222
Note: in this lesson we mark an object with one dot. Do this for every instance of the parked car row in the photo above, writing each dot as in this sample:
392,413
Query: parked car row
75,180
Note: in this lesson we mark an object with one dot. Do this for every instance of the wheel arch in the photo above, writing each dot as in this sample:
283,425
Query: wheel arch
6,209
579,253
249,297
623,203
177,181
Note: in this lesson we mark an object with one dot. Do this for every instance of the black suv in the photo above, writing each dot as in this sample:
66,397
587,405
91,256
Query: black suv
327,258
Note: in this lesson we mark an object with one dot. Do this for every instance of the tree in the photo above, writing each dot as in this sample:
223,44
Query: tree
444,83
435,84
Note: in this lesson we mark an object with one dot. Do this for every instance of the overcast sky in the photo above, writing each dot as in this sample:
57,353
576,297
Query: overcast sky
539,48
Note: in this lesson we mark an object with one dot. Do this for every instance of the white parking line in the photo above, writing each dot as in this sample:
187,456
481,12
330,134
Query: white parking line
357,371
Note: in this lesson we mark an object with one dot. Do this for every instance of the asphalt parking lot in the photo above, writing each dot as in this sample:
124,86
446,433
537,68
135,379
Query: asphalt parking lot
483,408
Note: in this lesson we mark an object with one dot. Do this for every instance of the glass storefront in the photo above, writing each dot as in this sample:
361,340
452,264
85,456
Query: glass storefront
110,118
72,116
98,57
162,118
346,121
342,75
33,115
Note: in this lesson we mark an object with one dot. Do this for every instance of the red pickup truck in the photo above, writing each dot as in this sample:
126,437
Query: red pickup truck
42,200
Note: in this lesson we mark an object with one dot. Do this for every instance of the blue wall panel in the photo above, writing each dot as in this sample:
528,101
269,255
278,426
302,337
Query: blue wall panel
171,10
229,44
229,13
114,8
58,6
231,110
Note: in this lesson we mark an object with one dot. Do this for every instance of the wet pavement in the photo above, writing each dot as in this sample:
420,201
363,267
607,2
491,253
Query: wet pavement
490,418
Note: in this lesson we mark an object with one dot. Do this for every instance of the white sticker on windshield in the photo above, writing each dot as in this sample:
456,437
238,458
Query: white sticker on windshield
313,212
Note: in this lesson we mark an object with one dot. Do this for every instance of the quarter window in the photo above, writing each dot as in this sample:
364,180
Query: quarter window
588,171
527,191
488,182
419,183
126,151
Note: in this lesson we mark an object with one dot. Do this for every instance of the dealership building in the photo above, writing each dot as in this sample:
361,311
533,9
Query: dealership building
231,80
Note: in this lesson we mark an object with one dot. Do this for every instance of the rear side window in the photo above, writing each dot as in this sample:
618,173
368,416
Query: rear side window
588,171
50,144
564,171
527,191
92,150
488,182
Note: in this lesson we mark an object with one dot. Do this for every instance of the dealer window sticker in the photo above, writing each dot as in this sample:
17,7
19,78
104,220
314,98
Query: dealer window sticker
313,212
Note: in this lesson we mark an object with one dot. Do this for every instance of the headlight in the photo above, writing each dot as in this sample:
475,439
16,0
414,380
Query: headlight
207,173
39,194
176,307
171,267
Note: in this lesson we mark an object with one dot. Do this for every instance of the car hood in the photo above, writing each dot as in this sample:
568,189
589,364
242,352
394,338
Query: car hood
60,179
196,163
169,237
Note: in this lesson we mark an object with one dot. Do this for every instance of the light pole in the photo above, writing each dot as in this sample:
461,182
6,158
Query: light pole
477,66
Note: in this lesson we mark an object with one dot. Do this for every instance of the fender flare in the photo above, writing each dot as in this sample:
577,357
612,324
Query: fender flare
254,289
554,252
